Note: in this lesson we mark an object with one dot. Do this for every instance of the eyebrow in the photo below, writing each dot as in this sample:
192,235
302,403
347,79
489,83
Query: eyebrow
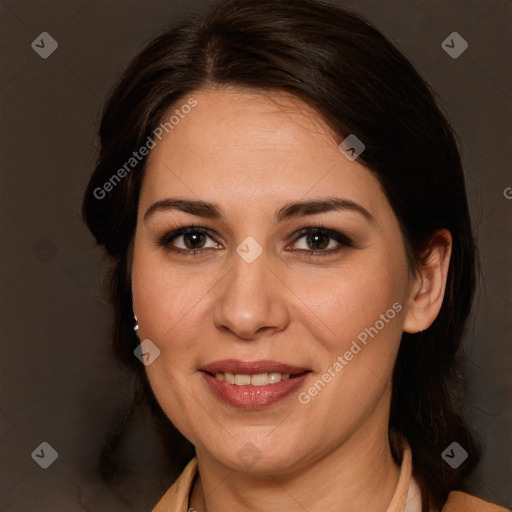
288,211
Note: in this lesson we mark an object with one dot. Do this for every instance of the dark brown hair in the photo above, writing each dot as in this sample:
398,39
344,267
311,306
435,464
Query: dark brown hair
361,84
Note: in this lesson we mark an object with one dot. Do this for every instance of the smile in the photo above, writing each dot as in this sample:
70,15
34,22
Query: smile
258,379
252,385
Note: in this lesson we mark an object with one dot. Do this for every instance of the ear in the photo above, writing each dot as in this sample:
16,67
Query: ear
429,284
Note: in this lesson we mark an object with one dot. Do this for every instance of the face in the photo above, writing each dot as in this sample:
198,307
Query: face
291,262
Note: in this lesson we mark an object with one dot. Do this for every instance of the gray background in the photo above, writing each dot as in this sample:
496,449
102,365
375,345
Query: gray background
59,383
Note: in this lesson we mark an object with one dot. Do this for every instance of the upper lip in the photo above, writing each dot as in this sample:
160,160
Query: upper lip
251,367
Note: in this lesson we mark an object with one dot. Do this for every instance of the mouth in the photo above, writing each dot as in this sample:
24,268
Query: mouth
253,385
257,379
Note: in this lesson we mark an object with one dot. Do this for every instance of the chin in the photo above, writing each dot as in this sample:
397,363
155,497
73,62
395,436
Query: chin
258,454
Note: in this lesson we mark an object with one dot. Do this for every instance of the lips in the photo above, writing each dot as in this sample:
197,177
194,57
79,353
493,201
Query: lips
252,385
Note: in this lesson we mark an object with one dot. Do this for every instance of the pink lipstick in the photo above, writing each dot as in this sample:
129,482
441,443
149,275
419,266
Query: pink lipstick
253,384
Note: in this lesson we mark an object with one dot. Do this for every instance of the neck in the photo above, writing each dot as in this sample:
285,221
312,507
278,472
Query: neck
360,474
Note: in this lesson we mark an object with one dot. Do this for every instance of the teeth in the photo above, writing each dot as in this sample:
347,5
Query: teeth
258,379
242,380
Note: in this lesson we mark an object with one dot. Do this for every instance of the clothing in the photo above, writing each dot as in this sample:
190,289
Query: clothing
406,498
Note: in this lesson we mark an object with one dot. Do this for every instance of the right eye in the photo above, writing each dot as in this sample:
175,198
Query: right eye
189,241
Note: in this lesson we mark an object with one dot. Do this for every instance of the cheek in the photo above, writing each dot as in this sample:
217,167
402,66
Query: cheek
171,314
170,302
352,298
362,311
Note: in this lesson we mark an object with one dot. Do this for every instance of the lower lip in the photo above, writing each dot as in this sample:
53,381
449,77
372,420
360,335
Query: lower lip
253,397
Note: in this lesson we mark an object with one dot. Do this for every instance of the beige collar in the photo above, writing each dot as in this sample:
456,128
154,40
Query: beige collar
406,497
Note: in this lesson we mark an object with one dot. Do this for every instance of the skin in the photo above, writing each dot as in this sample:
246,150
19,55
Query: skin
251,153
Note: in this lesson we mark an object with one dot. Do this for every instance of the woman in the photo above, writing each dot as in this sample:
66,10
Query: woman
293,256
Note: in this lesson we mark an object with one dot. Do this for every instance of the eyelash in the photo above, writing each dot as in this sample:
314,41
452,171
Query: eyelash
341,238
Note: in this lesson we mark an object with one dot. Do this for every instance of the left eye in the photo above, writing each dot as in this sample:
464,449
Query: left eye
316,241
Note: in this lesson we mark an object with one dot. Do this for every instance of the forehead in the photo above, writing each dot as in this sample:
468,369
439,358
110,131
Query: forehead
252,147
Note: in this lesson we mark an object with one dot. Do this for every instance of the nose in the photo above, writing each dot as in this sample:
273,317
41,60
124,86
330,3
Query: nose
252,300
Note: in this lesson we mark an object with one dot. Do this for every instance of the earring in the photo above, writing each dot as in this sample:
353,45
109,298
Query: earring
136,326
